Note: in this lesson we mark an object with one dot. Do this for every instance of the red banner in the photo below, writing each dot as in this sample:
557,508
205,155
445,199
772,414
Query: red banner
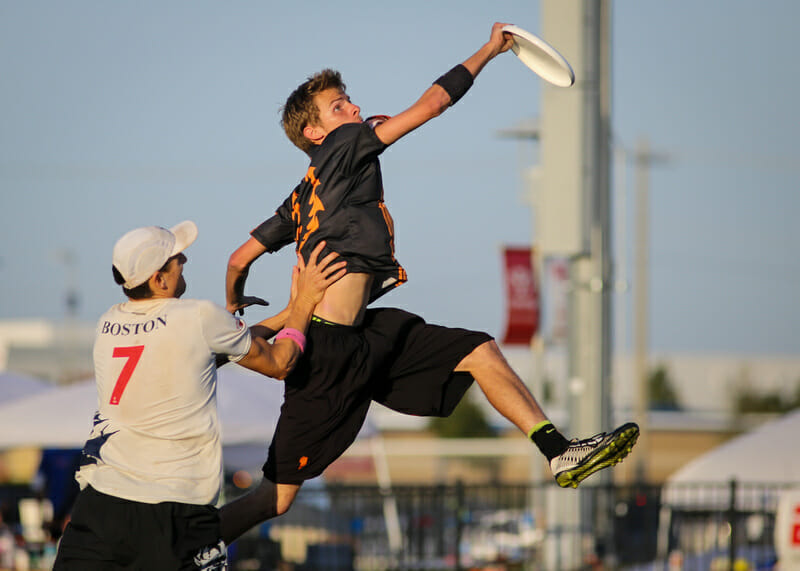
522,296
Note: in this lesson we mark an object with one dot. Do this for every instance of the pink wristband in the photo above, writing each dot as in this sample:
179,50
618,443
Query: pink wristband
293,334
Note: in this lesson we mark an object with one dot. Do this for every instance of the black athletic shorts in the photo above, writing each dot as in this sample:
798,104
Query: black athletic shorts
393,358
109,533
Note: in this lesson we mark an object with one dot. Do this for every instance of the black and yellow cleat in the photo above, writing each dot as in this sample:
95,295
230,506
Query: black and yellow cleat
585,457
212,557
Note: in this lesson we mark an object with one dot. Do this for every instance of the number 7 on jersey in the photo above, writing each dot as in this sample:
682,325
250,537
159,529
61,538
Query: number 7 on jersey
132,354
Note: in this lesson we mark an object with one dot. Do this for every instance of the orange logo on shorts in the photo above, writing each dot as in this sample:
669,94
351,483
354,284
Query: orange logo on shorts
303,462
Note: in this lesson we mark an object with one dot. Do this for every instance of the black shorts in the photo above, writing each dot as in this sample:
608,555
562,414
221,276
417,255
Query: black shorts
393,358
106,532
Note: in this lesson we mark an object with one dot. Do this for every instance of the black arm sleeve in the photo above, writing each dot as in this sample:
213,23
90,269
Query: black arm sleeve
277,231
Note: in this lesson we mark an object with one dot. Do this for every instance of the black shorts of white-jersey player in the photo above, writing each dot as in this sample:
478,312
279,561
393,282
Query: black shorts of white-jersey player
340,200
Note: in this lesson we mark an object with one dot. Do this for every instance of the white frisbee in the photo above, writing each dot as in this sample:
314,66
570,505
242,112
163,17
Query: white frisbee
542,58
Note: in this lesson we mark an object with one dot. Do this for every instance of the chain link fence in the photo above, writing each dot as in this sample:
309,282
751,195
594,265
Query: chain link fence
517,527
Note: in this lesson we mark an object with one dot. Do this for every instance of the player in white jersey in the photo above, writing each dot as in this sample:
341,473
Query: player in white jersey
151,470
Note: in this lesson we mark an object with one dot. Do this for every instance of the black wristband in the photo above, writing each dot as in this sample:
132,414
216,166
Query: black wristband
456,82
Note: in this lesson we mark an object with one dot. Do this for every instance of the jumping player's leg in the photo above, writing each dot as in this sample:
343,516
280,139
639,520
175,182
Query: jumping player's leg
324,407
503,388
571,461
266,501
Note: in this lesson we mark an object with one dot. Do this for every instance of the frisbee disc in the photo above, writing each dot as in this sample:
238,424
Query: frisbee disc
540,57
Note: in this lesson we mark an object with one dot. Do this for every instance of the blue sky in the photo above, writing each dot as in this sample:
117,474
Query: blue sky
117,115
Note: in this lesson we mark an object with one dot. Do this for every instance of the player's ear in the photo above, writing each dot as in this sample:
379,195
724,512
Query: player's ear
157,281
314,133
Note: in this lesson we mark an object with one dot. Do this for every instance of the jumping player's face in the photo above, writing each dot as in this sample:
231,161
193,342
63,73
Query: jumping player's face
335,110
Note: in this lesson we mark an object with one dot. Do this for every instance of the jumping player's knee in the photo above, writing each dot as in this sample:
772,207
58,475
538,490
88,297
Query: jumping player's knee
265,500
485,354
284,497
282,505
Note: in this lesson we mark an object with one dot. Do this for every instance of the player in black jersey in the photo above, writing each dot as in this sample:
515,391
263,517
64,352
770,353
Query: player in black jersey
355,354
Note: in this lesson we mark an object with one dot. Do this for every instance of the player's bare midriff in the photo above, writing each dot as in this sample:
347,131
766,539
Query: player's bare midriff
346,300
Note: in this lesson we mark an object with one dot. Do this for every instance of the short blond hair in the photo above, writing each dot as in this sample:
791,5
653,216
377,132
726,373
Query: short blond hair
300,109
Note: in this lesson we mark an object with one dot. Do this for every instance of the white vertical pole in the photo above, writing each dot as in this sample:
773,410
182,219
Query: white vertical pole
390,513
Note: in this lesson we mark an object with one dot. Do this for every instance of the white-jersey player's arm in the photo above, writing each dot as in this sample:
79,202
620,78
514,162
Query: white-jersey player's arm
266,329
277,359
269,327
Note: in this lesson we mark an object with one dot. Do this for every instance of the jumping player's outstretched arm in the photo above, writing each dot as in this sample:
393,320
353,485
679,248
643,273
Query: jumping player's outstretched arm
446,90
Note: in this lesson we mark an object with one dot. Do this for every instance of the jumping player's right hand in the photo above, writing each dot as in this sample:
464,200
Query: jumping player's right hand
310,280
245,301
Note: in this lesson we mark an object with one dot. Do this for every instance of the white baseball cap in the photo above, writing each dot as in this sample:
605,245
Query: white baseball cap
142,252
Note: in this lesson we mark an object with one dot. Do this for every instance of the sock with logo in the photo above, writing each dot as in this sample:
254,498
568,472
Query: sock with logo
549,440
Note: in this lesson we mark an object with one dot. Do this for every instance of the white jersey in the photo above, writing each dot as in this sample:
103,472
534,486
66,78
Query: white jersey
156,434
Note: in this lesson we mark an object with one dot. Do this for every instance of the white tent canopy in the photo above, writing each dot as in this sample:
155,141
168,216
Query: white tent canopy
765,455
61,417
14,386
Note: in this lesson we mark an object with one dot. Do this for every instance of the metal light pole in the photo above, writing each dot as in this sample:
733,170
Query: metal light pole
576,224
644,158
574,221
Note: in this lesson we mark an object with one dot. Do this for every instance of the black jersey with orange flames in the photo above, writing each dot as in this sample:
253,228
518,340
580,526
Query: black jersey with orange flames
340,200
